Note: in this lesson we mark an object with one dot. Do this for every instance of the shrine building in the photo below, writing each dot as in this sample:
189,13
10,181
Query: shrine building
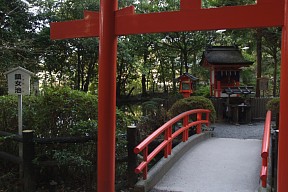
225,64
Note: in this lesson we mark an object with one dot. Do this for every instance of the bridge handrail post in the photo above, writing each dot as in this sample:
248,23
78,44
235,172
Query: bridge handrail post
186,131
145,158
199,126
168,148
207,118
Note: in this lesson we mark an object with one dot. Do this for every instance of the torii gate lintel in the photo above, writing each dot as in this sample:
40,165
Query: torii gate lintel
190,17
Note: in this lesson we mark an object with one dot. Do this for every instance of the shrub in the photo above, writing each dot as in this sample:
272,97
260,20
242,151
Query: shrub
193,102
202,91
61,112
273,105
154,115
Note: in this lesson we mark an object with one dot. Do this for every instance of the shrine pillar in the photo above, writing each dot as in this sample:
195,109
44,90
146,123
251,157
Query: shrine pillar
283,129
107,97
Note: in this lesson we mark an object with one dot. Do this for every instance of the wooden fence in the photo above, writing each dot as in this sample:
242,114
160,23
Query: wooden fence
29,155
258,108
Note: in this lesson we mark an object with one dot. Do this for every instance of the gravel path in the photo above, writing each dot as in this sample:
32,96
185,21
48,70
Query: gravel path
253,131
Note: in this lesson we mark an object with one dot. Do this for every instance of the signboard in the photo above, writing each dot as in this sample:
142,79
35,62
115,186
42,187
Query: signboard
18,81
263,83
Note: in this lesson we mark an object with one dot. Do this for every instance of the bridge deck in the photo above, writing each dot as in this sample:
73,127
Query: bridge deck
218,164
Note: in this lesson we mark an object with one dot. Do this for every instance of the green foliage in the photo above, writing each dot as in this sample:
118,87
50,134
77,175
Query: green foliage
154,115
220,3
65,158
61,111
202,91
8,113
273,105
152,106
193,102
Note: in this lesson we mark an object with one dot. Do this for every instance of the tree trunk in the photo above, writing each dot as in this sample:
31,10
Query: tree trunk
275,72
91,67
181,63
119,77
173,74
143,82
78,69
259,59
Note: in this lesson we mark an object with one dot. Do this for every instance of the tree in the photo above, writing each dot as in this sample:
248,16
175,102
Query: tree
271,46
16,44
69,62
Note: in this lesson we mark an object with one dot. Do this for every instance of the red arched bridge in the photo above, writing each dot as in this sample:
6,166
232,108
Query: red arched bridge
202,162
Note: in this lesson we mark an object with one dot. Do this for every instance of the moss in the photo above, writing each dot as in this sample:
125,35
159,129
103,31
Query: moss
193,102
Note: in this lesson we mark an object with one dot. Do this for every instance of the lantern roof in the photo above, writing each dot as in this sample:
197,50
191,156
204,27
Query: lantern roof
190,76
224,55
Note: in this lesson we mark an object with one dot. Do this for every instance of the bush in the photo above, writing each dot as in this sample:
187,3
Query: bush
61,112
202,91
8,113
154,115
193,102
273,105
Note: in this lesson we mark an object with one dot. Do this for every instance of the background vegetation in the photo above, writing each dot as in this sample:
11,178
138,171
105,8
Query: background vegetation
59,112
146,63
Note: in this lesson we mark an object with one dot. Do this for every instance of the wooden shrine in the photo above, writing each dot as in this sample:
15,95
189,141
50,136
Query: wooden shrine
186,84
225,64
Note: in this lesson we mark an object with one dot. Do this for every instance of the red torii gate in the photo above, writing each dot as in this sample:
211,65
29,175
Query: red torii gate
111,22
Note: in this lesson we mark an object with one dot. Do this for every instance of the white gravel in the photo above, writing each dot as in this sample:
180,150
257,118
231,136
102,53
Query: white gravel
245,131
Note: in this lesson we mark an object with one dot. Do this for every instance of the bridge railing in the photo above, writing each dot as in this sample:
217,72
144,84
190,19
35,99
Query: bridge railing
265,149
168,135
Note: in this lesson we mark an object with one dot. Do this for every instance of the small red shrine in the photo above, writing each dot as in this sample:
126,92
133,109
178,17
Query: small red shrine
186,84
225,64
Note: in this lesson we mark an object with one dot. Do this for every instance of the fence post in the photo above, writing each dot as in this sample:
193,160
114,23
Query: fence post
132,157
28,156
274,158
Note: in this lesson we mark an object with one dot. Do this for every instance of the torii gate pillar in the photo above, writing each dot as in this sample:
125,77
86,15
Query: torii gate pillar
283,130
107,96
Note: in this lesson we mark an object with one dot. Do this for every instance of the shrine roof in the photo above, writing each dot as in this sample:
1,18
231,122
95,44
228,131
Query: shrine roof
223,55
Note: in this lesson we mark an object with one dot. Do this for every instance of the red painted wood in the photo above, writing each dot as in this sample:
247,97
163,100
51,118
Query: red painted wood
263,176
252,16
199,126
283,131
166,145
87,27
265,149
266,136
186,5
107,98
